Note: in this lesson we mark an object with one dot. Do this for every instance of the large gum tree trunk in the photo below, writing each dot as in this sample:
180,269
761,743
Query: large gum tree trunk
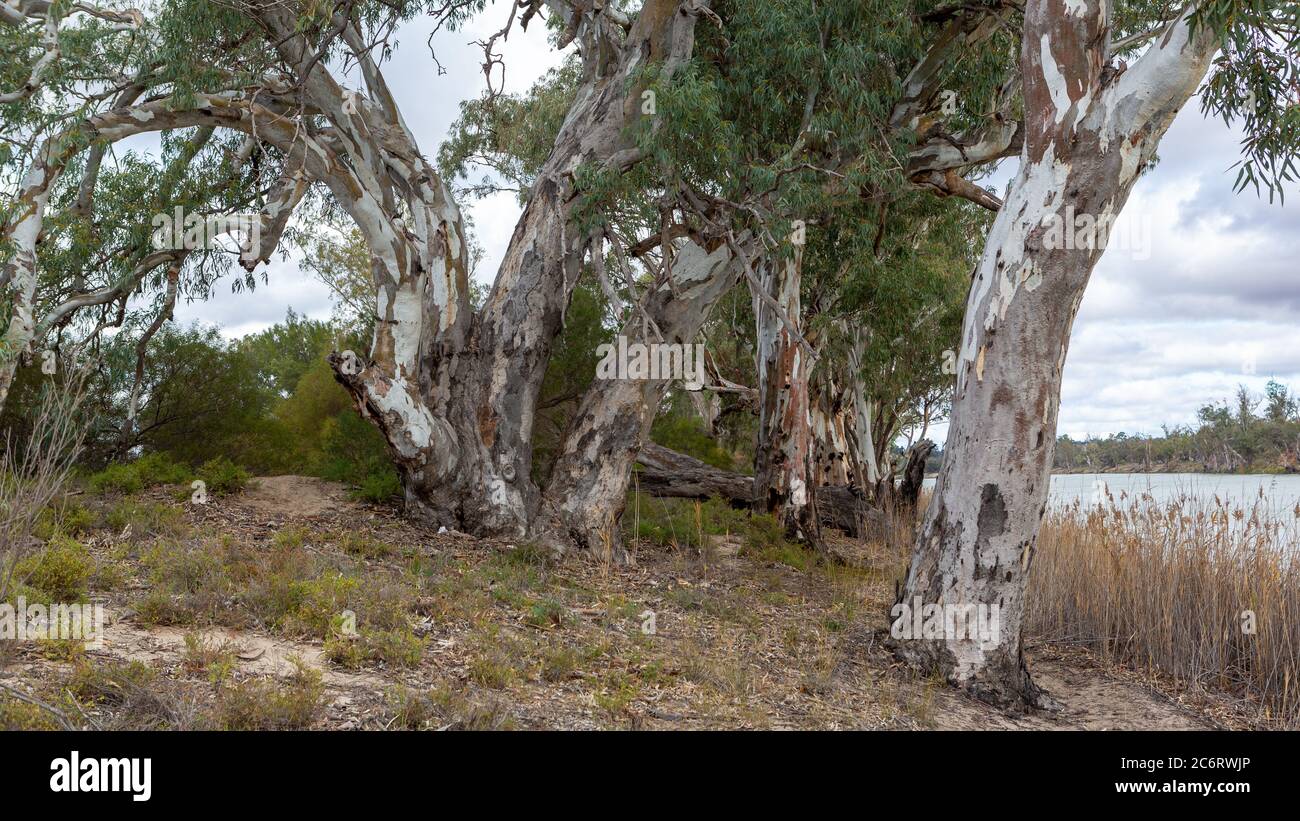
832,432
587,490
1088,135
454,394
784,482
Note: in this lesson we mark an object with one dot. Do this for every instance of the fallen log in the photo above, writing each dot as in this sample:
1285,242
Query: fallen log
665,472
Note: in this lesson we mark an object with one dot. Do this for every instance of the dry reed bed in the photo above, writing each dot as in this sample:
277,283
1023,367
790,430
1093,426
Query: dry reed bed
1177,587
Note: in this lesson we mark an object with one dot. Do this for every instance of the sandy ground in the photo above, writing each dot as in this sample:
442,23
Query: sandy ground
773,694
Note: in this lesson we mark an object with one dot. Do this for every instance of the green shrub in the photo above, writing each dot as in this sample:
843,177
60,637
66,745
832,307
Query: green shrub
112,682
61,571
270,705
145,518
395,648
16,714
686,434
223,476
148,471
682,522
378,487
119,478
69,518
364,545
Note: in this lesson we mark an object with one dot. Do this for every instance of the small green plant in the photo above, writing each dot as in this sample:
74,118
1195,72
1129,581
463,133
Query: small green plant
159,608
148,471
558,663
364,545
492,670
16,714
111,682
205,657
376,488
443,708
547,613
145,518
394,648
68,518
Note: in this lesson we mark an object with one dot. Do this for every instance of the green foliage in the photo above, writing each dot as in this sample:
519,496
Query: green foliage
148,471
685,432
20,715
683,522
200,398
109,683
393,648
510,136
353,451
378,487
223,476
65,517
258,704
58,573
144,518
284,352
1253,85
571,369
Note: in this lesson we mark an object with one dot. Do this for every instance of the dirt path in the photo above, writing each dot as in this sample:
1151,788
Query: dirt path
1092,700
294,496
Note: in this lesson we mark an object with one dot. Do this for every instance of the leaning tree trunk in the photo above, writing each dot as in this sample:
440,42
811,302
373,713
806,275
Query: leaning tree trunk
1089,132
587,490
783,460
909,489
674,475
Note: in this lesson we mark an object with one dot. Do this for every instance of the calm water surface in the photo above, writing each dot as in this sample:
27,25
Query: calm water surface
1277,496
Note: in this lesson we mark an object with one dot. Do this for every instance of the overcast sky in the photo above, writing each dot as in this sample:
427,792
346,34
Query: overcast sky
1198,292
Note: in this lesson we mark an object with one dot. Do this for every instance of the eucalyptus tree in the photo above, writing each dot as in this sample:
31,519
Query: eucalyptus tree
782,122
887,288
453,390
91,212
661,170
1094,87
776,123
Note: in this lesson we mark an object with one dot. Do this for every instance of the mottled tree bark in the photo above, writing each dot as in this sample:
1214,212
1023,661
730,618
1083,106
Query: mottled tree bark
832,431
454,393
1090,129
587,490
784,483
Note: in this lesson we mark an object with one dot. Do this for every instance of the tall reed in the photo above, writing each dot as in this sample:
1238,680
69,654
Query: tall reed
1177,587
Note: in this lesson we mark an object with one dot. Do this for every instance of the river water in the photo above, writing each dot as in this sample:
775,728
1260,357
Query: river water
1274,498
1280,492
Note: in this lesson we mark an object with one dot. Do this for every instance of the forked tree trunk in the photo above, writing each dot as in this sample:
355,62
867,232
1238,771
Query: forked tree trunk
1089,134
455,394
783,459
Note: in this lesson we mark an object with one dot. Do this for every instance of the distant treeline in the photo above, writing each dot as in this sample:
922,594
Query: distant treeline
1251,434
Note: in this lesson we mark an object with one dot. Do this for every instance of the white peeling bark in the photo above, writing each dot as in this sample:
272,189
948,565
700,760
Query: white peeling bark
1086,142
783,465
